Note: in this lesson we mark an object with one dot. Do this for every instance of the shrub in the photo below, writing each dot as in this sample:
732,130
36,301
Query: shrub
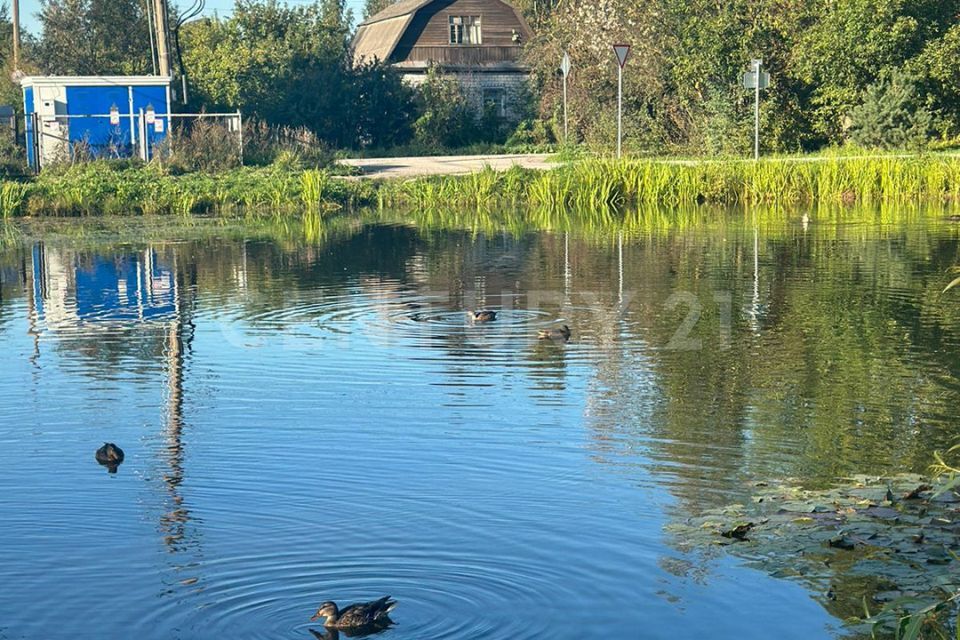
891,115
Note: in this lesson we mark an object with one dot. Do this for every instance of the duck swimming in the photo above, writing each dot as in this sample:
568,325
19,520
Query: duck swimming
360,614
110,456
563,333
484,315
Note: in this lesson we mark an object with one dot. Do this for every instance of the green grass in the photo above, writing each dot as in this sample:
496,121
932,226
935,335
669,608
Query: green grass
605,185
104,188
594,188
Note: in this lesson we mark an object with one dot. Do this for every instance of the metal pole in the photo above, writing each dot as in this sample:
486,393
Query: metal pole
133,134
16,35
240,128
143,137
566,135
756,113
619,111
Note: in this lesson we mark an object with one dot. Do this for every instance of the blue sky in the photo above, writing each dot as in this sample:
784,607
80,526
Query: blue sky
29,8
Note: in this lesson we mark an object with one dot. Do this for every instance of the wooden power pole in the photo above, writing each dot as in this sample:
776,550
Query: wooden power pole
161,24
16,35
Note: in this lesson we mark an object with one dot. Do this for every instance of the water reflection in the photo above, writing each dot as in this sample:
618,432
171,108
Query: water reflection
319,414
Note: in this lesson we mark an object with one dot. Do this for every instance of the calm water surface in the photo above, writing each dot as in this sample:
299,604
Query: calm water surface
311,417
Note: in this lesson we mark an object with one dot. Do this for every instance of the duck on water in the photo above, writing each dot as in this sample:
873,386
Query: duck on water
110,456
357,615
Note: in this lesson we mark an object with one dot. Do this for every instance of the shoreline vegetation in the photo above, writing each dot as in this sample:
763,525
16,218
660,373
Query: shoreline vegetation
584,186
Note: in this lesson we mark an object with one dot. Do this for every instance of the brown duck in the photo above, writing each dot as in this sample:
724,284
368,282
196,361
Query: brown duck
484,315
360,614
110,456
563,333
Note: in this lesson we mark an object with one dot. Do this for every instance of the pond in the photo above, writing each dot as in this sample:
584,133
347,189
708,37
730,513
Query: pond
310,414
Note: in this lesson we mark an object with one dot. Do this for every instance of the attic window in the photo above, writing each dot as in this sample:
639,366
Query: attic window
465,30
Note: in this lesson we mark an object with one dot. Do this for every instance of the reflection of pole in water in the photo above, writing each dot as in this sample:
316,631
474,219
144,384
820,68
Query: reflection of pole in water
173,523
755,302
620,262
30,279
566,265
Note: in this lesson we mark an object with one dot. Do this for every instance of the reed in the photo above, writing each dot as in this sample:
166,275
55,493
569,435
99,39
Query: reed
11,198
599,185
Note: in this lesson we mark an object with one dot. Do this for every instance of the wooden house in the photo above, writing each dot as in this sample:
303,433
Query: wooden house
477,41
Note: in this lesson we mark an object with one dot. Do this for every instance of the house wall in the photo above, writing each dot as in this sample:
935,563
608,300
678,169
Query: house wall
430,27
474,82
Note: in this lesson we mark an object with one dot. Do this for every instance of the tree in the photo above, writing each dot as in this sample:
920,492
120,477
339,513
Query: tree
892,115
373,7
293,66
93,37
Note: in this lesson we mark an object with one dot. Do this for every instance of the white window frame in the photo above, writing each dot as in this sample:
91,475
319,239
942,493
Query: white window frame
465,30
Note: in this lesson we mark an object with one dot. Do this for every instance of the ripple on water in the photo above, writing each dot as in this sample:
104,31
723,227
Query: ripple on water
276,593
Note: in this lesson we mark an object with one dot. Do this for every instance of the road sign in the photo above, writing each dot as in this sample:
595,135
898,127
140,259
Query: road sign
756,79
750,80
565,64
623,52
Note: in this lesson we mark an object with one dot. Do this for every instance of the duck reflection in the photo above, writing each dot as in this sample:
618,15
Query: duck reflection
356,632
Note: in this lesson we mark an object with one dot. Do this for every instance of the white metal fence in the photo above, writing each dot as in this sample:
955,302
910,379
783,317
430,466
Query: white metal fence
72,137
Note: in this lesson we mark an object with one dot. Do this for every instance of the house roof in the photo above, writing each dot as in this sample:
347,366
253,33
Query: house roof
378,35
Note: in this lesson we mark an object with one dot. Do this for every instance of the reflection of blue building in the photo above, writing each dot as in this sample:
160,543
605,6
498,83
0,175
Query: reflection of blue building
62,111
127,287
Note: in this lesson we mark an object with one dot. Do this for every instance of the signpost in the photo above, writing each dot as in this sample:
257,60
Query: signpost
565,68
623,52
756,79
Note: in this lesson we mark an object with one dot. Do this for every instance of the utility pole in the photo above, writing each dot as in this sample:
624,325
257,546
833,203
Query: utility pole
160,20
16,35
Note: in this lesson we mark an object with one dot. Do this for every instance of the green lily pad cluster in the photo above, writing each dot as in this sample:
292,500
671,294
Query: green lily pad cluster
881,552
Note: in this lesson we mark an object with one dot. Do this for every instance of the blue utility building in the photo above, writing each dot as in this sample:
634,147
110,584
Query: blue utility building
112,116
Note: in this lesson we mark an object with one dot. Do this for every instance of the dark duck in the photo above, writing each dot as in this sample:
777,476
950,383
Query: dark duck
110,456
563,333
360,615
484,315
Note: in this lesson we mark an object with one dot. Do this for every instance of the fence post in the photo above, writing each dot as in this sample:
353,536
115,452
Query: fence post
240,131
143,137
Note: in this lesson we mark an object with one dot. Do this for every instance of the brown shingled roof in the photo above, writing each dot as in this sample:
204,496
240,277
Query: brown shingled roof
378,35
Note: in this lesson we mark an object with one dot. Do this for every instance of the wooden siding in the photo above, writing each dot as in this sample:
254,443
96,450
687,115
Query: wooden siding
464,55
429,33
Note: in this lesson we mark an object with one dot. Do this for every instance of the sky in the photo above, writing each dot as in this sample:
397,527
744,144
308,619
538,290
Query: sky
29,8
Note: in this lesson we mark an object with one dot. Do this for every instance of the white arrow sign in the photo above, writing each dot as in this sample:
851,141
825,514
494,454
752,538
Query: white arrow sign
623,52
565,64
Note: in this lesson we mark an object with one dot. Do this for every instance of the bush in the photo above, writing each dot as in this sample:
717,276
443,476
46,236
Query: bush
201,145
891,115
13,160
264,144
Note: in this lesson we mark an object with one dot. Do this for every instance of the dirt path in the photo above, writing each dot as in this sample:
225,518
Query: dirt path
445,165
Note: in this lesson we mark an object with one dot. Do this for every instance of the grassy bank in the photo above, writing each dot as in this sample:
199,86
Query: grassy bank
611,185
105,188
593,186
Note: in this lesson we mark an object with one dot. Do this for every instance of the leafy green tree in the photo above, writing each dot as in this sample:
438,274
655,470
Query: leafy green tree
93,37
446,119
892,115
373,7
291,65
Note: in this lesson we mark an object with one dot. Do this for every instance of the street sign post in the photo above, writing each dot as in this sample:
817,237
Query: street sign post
565,68
622,52
756,79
